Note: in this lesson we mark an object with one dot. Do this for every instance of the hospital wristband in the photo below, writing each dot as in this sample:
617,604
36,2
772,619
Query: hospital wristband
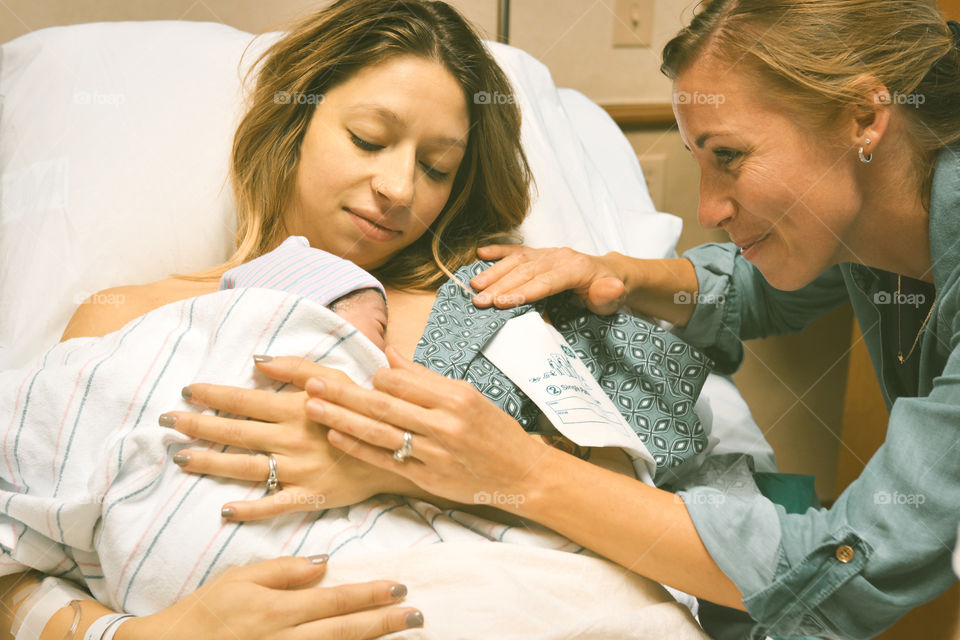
104,627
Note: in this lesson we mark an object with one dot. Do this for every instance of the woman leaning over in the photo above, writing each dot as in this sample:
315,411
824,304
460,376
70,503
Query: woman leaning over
395,169
829,151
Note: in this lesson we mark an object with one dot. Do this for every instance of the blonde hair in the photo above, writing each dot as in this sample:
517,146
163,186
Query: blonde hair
816,53
490,193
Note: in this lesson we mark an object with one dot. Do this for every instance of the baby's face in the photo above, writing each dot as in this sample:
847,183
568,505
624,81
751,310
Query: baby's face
367,311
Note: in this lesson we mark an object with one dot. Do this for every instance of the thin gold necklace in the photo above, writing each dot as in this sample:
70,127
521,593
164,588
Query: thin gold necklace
923,326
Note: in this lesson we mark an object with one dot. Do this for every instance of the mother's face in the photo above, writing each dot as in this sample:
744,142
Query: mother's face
787,196
378,160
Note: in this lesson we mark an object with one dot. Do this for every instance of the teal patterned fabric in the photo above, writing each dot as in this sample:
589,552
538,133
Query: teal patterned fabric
652,377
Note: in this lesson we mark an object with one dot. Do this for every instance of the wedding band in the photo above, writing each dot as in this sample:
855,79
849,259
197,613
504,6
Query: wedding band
273,483
401,454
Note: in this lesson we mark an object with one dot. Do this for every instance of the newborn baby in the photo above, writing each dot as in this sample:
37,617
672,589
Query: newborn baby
335,283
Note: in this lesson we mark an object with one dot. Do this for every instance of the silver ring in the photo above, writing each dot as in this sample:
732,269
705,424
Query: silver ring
273,482
401,454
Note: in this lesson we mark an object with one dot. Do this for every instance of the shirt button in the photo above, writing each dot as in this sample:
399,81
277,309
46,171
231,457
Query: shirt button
844,553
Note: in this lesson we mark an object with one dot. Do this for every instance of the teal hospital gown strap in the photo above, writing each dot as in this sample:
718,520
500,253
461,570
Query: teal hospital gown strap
652,377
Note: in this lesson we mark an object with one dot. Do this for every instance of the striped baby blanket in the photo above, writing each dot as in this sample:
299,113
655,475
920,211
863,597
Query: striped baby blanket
89,491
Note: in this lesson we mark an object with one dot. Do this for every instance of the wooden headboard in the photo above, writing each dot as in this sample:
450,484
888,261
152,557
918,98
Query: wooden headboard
642,115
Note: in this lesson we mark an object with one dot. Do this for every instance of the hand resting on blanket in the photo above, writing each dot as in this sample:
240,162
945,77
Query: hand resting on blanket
311,471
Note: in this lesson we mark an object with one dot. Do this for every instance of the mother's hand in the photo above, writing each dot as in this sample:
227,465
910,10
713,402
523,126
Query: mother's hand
312,474
525,275
464,447
273,599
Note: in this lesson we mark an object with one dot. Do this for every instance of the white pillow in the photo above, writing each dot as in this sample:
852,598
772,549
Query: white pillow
114,142
114,148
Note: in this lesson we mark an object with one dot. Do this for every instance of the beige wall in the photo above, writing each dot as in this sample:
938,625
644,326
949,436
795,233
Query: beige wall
18,17
794,385
574,39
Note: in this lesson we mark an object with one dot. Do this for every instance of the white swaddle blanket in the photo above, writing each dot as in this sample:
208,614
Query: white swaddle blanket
89,490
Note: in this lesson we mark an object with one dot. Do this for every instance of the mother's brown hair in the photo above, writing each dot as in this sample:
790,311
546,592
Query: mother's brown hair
490,194
815,54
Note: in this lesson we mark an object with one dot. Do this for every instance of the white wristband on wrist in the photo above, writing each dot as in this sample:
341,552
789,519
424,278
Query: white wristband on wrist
33,615
105,627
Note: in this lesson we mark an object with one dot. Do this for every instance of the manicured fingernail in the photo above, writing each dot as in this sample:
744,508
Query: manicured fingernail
315,386
319,559
186,392
415,619
262,358
227,512
180,458
167,420
482,299
398,591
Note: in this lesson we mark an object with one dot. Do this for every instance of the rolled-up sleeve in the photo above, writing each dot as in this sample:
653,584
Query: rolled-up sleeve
735,303
883,548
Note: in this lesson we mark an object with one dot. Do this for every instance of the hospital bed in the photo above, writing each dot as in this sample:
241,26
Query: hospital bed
114,147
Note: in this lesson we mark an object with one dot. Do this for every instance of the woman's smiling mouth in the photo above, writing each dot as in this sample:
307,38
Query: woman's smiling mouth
371,229
749,248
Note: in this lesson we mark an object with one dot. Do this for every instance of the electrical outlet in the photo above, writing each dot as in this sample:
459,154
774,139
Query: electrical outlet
633,23
654,168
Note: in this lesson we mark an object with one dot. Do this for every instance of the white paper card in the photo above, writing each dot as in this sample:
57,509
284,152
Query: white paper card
538,360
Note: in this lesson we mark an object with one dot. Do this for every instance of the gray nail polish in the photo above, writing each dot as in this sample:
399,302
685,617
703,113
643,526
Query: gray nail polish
167,420
398,591
414,619
319,559
227,512
186,392
181,458
261,358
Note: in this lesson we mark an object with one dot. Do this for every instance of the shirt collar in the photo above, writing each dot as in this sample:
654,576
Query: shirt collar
945,217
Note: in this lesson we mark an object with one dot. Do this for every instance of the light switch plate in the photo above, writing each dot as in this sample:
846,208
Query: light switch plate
633,23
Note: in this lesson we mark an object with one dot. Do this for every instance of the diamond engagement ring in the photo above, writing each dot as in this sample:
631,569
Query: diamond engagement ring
401,454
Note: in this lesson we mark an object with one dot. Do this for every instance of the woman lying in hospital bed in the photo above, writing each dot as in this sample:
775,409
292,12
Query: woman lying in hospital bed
396,176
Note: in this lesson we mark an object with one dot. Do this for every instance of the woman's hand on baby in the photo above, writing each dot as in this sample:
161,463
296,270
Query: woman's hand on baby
525,275
312,474
463,446
274,600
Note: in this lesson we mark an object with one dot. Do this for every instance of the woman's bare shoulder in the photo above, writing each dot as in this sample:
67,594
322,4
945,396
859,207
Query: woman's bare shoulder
110,309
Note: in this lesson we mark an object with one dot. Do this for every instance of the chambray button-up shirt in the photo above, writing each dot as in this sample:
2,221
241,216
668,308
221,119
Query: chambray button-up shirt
885,546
